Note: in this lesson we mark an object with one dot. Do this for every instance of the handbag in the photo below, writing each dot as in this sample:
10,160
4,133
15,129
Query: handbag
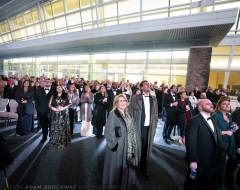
118,132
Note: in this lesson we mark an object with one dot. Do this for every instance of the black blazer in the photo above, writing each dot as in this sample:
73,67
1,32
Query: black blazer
42,99
111,98
236,119
201,145
10,93
209,95
167,101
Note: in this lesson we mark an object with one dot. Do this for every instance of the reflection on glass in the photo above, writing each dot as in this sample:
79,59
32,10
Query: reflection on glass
216,78
235,62
221,50
128,6
219,61
159,57
57,7
180,56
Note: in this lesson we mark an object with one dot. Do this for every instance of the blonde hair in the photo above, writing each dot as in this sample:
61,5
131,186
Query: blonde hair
115,101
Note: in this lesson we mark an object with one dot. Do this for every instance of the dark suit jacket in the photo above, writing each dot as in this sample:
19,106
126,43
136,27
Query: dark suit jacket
42,99
201,145
167,101
10,93
209,95
236,119
111,98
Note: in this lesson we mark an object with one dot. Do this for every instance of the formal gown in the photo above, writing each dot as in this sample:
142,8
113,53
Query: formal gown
60,125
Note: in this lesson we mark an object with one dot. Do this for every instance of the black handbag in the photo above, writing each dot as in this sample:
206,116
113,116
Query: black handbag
118,132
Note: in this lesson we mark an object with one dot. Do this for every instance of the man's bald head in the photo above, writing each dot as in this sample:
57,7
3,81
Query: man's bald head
205,105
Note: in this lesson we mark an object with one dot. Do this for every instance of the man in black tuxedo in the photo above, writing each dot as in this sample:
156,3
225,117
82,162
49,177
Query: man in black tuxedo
209,93
203,145
170,102
41,102
231,163
111,95
10,91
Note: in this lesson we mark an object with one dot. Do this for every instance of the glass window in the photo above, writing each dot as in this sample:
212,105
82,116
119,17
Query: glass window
94,15
100,68
72,5
14,23
161,69
17,34
6,26
122,21
35,15
60,22
116,58
20,21
219,61
109,11
234,83
85,3
208,8
115,68
1,41
195,10
99,76
86,16
110,23
221,50
28,18
100,58
178,80
48,10
57,7
154,4
235,62
180,56
159,57
178,2
226,6
139,57
180,12
179,69
73,19
5,38
237,50
216,78
38,29
3,29
128,6
74,59
23,33
30,30
136,68
49,25
9,37
155,16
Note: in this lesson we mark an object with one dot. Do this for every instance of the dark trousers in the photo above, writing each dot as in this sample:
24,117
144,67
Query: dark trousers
45,124
205,178
144,148
230,168
168,126
71,119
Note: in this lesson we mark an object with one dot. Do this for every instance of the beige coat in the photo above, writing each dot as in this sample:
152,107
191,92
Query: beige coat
2,85
135,108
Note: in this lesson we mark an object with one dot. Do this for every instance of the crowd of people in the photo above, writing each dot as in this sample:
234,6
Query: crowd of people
130,113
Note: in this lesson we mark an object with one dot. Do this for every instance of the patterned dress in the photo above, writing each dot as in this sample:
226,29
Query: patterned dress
60,125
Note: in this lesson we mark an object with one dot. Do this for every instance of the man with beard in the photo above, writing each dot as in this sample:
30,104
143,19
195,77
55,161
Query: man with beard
203,146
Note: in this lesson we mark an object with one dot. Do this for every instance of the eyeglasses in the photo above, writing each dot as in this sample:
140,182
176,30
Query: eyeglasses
122,101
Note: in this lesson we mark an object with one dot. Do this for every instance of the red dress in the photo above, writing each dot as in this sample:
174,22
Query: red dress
188,116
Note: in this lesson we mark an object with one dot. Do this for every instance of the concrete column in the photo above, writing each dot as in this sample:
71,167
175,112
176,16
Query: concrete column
1,67
198,67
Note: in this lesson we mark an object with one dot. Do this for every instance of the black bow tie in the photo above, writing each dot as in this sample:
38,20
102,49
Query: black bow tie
46,89
174,95
145,96
209,118
115,90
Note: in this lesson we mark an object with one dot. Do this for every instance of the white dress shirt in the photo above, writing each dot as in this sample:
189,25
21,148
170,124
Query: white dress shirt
209,121
146,102
47,91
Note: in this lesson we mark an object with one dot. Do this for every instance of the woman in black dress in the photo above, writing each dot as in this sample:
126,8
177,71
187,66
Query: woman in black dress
102,101
60,125
25,109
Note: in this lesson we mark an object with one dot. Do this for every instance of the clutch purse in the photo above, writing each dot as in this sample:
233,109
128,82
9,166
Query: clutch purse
118,132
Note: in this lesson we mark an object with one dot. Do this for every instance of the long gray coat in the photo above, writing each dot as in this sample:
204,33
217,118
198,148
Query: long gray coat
115,172
135,108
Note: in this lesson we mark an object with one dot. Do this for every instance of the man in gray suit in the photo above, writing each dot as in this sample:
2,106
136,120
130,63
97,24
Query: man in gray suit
144,109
